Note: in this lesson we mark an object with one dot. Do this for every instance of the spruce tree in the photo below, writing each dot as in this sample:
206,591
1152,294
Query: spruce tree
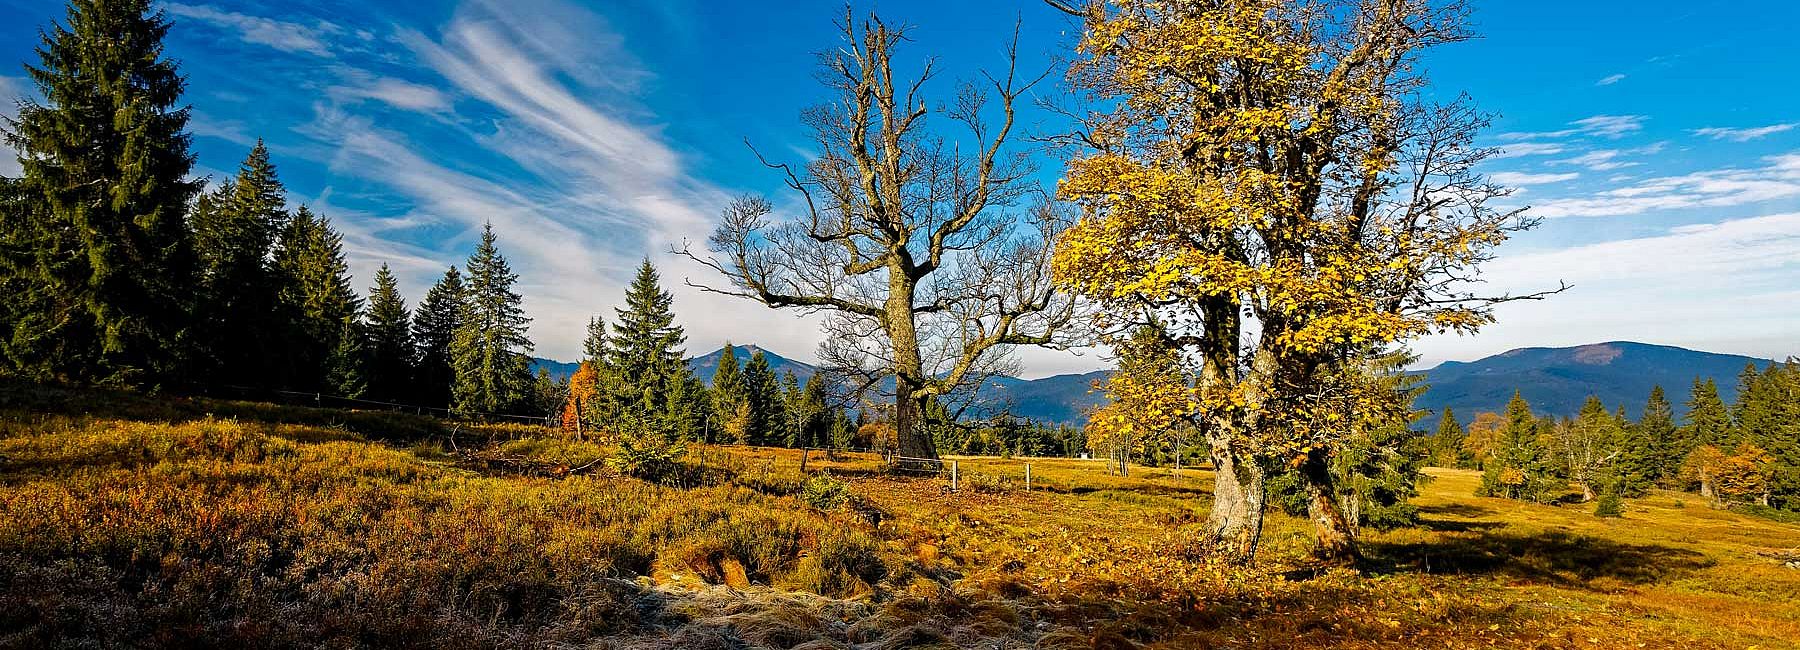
728,391
1655,432
687,407
317,307
391,352
346,365
490,355
1447,443
815,416
593,348
234,230
1520,466
644,350
762,392
433,330
1708,420
791,410
105,288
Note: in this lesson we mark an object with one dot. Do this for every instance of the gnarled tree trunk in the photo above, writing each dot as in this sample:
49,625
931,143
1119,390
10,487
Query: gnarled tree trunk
1336,536
1234,525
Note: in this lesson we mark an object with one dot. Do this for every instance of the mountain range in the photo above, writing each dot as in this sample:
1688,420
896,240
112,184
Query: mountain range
1554,381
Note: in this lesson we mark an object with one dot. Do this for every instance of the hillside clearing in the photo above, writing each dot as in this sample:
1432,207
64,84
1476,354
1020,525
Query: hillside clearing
155,524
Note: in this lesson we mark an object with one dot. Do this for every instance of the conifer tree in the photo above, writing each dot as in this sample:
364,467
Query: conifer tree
316,305
391,353
346,365
234,230
687,406
105,285
1655,432
644,350
1447,443
729,394
593,348
762,393
490,353
789,410
1519,467
816,417
433,330
1708,420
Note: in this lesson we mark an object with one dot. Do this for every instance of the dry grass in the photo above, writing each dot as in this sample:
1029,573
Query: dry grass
134,522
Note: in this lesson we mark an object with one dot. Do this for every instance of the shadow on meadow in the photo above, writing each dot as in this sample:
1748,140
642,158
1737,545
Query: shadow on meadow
1551,557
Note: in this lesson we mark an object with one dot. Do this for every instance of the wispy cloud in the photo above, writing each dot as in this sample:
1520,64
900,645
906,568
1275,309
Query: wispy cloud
1745,134
279,34
1610,79
1526,178
1779,178
398,93
1604,126
1518,149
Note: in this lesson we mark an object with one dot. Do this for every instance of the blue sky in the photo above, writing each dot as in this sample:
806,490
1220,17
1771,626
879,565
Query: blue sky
1660,141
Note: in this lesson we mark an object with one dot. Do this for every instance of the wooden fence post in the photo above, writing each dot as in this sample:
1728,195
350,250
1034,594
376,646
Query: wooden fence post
953,476
1027,477
803,452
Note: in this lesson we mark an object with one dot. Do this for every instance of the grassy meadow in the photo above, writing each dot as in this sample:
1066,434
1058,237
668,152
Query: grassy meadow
129,521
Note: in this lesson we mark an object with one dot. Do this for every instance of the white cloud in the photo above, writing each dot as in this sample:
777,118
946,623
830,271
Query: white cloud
1743,134
1610,79
1724,286
1525,178
1779,178
281,35
399,93
1518,149
1605,126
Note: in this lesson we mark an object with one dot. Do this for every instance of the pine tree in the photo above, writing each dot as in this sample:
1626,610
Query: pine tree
391,353
644,350
1708,420
234,230
433,330
107,285
346,365
687,406
490,354
316,305
762,393
1655,432
1520,466
1447,443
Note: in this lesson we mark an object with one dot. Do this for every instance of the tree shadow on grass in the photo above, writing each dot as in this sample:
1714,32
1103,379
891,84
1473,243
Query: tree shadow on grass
1548,557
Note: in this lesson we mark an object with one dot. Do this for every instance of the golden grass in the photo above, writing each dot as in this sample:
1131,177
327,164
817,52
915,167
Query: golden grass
137,523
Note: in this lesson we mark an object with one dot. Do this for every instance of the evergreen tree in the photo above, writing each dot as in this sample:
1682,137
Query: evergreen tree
687,406
789,411
1708,420
547,394
490,355
346,365
593,348
1520,465
1661,455
1758,409
816,417
728,391
433,331
315,303
108,275
391,353
1446,444
234,230
644,350
762,393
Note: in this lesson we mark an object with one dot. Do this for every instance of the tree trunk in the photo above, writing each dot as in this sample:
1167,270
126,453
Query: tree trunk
1234,526
911,439
1587,492
1336,538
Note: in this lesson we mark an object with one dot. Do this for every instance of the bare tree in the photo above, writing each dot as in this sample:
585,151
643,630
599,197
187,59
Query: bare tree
931,257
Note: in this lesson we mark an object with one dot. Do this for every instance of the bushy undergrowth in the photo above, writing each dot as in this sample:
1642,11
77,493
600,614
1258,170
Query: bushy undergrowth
218,532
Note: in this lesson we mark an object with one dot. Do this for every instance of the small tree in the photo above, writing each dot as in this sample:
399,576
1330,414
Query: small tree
490,354
391,352
433,332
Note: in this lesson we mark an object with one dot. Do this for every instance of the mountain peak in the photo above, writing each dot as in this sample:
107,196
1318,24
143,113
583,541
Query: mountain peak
1555,381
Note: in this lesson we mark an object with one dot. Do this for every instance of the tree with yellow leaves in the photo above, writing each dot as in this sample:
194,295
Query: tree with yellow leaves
1266,180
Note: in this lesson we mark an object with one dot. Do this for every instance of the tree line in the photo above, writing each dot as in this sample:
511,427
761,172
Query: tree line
1744,452
124,270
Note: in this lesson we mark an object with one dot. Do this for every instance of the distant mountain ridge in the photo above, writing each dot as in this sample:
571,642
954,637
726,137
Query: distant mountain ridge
1554,380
